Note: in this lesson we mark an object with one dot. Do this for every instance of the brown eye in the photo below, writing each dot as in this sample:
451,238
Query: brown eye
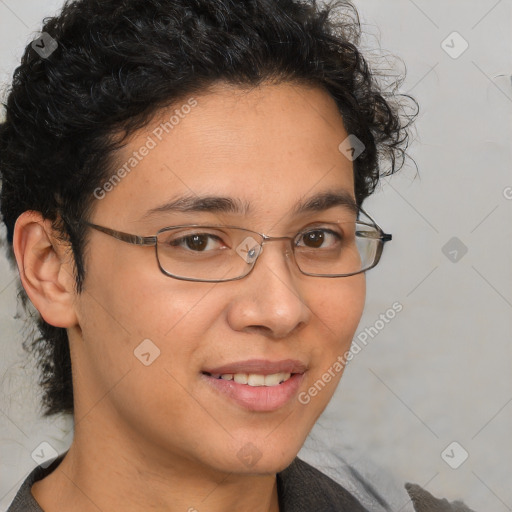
196,242
314,238
321,238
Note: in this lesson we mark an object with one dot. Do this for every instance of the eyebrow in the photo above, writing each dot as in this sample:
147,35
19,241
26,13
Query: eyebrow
218,204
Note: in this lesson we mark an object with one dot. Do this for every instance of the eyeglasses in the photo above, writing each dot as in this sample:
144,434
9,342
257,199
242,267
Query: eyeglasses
218,253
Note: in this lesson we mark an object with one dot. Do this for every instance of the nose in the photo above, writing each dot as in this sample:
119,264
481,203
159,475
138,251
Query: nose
270,299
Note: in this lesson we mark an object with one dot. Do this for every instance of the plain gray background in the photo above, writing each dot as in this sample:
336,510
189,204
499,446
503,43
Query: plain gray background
440,371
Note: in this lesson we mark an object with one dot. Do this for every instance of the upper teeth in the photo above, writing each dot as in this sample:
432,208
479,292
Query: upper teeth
254,379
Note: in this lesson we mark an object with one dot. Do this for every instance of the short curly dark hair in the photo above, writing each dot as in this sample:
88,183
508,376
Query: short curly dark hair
118,63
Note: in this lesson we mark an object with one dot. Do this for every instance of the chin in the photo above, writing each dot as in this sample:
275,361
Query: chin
250,460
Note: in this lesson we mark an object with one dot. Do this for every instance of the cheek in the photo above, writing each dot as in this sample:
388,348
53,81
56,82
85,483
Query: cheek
129,291
126,315
339,309
336,317
122,308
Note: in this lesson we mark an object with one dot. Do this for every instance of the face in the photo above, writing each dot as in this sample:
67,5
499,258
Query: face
147,348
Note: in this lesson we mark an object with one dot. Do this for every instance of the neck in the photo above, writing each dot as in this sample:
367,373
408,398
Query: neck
103,473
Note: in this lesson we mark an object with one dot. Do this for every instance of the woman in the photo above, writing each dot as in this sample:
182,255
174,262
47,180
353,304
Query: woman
151,153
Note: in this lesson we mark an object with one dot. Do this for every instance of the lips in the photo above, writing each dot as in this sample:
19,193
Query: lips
256,398
257,384
259,366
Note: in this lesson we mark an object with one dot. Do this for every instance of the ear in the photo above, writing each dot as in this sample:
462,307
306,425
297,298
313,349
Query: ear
46,269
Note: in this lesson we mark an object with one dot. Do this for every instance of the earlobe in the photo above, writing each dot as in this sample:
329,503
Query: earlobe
45,272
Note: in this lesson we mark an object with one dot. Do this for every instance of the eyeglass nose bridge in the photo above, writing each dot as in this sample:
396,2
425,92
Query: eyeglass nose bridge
250,249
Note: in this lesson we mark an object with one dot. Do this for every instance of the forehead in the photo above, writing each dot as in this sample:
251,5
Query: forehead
269,148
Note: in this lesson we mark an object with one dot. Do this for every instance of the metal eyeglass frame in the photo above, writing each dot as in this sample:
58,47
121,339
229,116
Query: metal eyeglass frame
153,241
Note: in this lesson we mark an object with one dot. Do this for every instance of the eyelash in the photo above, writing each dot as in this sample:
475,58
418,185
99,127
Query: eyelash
178,242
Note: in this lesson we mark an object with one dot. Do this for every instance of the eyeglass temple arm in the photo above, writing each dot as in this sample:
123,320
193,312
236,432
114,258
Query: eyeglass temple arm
152,240
386,237
125,237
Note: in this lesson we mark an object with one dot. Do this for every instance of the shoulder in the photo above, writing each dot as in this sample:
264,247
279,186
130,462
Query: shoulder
423,501
24,501
302,487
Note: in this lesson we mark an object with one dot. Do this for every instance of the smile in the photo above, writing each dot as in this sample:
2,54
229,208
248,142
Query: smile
253,379
253,391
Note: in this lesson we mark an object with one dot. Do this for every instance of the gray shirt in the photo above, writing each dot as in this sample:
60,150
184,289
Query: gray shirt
300,487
